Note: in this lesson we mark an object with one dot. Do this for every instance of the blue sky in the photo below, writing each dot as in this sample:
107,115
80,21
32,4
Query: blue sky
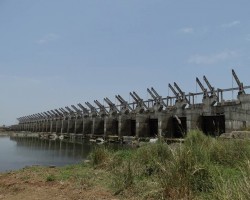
54,53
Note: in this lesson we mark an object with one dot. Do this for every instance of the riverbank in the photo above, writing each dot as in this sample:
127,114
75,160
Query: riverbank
42,183
200,168
4,134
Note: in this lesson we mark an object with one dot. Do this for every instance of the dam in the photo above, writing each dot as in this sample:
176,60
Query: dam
170,117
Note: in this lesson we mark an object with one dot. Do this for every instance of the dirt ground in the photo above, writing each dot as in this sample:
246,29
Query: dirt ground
30,184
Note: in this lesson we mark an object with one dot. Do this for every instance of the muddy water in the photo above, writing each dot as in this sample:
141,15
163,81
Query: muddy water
18,152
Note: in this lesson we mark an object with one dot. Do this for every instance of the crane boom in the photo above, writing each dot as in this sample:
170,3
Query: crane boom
181,92
205,94
178,88
48,116
55,114
51,114
123,102
76,109
156,96
132,95
208,84
240,84
100,105
92,108
69,110
63,111
59,113
151,94
154,91
44,116
173,90
33,117
111,104
85,110
119,99
140,100
200,84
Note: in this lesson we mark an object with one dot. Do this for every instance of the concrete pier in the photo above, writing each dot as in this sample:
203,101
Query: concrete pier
126,126
110,126
71,125
97,126
64,126
78,128
87,126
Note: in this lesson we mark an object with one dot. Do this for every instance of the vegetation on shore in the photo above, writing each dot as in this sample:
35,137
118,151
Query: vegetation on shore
200,168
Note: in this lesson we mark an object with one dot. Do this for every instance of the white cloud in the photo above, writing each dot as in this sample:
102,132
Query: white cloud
230,24
187,30
48,38
214,58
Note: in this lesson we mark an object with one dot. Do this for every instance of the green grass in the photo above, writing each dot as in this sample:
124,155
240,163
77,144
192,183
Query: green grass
50,177
201,168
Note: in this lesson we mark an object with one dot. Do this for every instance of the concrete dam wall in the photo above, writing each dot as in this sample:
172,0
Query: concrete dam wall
170,117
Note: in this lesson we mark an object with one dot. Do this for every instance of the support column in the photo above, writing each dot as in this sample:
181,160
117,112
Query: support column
87,126
142,125
124,126
71,125
98,126
110,126
163,120
58,125
53,126
64,126
78,125
194,120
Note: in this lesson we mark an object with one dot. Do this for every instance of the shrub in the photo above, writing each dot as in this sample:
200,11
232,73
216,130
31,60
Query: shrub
100,156
50,178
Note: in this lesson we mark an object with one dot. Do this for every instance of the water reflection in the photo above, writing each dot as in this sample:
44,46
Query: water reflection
23,151
63,148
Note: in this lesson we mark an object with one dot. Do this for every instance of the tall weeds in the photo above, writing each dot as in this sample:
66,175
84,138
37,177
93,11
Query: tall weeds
201,168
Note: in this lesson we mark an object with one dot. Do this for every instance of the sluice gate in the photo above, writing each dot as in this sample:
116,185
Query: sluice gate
171,116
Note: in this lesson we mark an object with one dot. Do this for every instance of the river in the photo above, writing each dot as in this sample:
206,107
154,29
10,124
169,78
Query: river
18,152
